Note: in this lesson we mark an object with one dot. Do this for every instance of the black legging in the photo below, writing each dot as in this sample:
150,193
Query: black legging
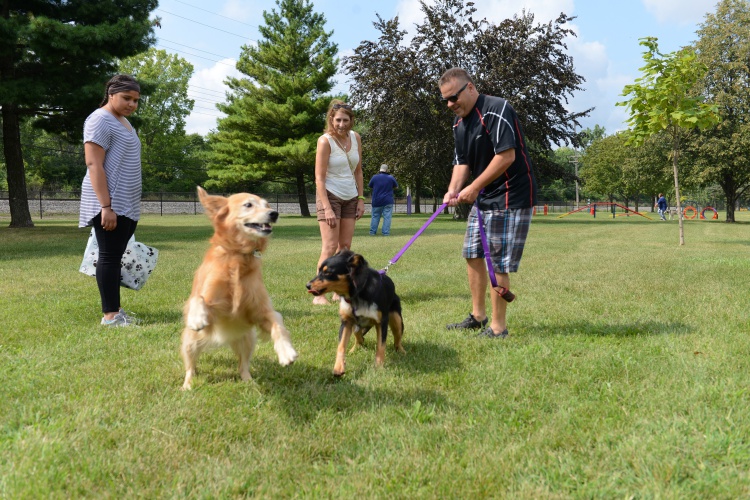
112,245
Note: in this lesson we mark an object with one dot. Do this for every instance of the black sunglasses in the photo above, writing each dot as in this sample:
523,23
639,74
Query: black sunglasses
344,106
454,97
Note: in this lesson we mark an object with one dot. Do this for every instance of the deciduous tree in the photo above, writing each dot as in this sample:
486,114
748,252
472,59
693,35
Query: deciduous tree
723,152
602,166
664,99
161,115
524,61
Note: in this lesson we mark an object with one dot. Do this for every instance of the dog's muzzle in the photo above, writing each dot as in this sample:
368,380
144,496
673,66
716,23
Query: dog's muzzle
310,289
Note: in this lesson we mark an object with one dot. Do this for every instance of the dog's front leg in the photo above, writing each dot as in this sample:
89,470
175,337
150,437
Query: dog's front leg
282,340
345,332
197,317
359,336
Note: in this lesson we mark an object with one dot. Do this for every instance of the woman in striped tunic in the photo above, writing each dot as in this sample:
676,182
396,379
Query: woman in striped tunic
111,189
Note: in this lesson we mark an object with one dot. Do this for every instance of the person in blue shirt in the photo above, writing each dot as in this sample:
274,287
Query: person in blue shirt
382,185
661,204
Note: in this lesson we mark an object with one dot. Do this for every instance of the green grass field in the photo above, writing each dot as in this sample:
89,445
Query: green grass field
627,372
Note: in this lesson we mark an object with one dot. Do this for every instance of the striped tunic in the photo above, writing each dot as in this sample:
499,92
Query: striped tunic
122,166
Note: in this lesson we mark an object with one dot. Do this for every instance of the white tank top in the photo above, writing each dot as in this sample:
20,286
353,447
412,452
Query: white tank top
341,166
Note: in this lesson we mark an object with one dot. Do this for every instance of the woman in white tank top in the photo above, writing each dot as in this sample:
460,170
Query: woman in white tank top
338,183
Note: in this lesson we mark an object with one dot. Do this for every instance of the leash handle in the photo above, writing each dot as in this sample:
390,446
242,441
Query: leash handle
501,290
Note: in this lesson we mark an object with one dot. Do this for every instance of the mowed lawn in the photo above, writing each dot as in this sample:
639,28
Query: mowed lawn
626,374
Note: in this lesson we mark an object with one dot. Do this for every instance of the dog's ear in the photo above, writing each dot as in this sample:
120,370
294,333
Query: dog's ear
357,261
214,205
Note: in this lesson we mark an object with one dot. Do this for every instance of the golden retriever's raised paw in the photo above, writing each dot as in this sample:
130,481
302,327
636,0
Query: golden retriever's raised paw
197,317
188,383
286,353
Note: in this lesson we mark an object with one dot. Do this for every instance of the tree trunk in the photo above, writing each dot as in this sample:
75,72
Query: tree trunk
675,155
730,192
416,197
18,197
731,203
304,210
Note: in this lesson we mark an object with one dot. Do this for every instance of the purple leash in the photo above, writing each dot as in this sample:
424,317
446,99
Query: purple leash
501,290
413,238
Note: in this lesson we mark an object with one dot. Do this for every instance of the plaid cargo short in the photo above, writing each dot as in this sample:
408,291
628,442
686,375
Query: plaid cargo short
506,236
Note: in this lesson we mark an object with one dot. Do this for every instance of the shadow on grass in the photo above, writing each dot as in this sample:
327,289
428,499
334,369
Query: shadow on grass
304,391
604,329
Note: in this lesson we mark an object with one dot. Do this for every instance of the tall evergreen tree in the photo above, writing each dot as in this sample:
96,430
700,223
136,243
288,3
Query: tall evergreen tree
55,57
275,115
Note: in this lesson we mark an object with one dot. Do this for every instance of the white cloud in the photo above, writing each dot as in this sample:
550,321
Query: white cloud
679,11
206,86
543,10
237,10
410,12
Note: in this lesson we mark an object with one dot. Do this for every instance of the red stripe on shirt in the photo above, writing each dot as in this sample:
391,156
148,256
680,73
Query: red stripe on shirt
526,162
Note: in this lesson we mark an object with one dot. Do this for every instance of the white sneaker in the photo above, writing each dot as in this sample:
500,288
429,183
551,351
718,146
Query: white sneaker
120,319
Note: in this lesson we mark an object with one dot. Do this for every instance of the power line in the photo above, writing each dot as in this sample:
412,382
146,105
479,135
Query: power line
195,55
209,109
215,14
207,25
203,96
206,114
210,90
194,48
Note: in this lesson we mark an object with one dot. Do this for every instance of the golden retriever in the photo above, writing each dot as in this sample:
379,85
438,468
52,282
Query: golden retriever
229,300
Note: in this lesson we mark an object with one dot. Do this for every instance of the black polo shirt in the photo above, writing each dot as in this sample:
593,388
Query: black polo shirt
491,128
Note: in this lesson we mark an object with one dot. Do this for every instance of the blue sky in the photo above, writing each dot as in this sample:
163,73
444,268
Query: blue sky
605,52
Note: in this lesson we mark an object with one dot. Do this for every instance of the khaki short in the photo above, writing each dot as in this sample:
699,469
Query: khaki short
344,209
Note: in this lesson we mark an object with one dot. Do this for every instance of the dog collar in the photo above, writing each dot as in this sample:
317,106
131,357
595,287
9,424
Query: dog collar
257,254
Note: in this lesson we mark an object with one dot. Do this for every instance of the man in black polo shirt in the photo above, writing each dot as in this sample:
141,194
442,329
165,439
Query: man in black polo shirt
492,157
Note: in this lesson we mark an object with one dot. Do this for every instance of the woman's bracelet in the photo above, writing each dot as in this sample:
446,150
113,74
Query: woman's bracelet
361,198
108,206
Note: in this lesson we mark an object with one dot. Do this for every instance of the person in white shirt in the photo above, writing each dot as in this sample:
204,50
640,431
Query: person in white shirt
338,183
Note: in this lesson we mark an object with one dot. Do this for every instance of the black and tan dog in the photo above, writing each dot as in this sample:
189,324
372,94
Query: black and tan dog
368,298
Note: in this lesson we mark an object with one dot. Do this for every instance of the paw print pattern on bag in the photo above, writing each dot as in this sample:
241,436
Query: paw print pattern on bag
137,264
